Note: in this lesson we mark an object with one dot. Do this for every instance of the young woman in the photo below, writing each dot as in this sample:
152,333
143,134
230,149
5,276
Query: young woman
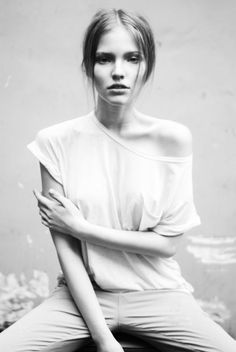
117,198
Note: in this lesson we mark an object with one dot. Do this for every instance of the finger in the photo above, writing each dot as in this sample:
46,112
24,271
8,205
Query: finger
58,197
45,223
43,211
43,215
43,208
41,199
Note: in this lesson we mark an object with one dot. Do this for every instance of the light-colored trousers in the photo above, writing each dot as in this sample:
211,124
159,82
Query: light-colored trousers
169,320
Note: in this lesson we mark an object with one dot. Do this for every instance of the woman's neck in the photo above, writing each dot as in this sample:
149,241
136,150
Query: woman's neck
114,117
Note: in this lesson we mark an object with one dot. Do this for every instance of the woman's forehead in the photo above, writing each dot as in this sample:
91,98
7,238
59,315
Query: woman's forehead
117,38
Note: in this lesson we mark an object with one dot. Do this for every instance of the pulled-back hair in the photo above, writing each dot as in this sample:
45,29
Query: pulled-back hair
102,22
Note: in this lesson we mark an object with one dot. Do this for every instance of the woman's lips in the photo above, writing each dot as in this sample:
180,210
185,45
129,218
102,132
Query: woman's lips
117,87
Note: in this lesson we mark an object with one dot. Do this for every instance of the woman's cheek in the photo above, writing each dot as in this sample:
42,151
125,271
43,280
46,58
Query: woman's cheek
99,78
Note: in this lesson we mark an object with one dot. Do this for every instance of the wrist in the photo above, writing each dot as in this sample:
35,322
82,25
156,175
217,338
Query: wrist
79,228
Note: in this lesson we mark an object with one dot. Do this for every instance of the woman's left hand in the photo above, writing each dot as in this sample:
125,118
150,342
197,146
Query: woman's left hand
60,214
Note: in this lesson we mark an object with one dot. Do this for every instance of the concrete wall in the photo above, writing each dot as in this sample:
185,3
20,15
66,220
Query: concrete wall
41,84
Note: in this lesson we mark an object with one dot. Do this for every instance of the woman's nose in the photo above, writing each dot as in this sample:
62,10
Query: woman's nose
118,71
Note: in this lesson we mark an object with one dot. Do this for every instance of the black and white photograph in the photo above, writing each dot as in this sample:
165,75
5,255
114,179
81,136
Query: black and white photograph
118,176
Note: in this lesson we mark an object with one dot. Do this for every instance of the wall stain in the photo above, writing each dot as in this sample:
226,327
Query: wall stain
20,185
29,239
212,250
8,80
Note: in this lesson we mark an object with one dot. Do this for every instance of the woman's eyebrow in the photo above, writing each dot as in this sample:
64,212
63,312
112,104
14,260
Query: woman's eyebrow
136,52
112,54
103,53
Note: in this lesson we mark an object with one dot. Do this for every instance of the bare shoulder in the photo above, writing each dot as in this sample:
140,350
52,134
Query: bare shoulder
175,137
172,138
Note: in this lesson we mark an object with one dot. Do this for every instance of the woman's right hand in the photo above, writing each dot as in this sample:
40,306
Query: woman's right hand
109,346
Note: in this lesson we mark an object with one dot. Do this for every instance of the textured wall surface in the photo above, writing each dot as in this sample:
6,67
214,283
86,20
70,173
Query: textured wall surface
41,84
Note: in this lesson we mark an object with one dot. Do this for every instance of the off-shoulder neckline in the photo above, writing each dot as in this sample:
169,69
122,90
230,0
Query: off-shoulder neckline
118,140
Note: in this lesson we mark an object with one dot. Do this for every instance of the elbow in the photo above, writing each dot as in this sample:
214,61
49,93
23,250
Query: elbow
170,251
167,252
168,247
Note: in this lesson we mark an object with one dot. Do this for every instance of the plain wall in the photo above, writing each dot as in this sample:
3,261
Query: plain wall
42,84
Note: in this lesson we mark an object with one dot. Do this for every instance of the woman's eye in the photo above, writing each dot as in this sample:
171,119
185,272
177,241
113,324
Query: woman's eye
103,60
134,59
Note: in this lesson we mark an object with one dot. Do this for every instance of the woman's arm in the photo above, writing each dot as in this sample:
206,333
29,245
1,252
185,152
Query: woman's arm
70,221
148,242
69,255
64,216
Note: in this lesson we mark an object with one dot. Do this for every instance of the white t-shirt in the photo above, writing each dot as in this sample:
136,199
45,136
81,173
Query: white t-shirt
117,187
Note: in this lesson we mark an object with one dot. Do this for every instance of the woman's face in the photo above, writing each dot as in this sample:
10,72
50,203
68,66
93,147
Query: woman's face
119,67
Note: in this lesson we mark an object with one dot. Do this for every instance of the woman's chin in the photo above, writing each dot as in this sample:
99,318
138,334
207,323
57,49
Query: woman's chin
119,100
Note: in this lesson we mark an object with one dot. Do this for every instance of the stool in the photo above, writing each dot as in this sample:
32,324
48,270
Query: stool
129,344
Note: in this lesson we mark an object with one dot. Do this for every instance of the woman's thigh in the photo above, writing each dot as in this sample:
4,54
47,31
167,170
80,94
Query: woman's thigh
173,321
56,326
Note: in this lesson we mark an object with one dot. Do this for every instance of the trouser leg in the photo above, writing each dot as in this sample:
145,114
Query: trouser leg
56,326
172,321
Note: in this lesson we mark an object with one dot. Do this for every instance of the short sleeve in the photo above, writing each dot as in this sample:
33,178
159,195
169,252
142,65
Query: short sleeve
180,215
45,149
